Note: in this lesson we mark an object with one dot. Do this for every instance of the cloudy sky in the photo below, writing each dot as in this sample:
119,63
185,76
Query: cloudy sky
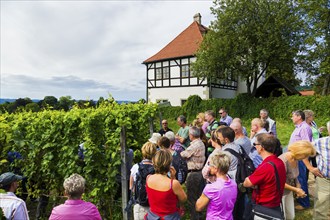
87,49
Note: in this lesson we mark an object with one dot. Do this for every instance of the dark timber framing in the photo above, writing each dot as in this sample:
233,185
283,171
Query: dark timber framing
178,63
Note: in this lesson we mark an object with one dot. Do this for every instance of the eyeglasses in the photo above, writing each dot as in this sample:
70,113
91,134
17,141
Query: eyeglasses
254,144
220,112
164,123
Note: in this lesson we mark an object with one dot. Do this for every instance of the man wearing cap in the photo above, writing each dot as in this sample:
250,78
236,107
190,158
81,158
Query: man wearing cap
12,206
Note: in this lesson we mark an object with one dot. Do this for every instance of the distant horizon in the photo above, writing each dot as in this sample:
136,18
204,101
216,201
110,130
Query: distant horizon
3,100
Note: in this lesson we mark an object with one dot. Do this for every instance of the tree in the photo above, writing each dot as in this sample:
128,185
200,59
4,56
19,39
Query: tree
34,107
250,39
317,16
49,101
65,103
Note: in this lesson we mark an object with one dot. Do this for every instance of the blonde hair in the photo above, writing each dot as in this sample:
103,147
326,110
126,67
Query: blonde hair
258,121
74,186
214,137
162,161
302,149
221,160
201,115
308,113
148,150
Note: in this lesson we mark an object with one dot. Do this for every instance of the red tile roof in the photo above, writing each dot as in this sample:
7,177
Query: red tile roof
307,92
184,45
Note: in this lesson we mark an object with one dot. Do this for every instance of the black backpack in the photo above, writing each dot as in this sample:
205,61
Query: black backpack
245,167
140,192
181,167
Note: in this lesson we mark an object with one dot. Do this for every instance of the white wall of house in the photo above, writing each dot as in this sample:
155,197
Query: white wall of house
241,87
223,93
176,94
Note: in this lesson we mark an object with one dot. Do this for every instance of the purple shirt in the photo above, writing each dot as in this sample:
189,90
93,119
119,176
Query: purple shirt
222,195
204,126
75,210
301,132
227,120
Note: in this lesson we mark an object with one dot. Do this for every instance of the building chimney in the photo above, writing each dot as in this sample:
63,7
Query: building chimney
198,18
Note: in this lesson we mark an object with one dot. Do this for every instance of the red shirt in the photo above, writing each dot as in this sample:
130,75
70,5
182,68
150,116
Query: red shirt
264,178
162,202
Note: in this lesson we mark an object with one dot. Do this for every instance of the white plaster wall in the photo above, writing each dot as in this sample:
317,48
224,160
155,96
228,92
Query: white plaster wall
223,93
176,94
241,88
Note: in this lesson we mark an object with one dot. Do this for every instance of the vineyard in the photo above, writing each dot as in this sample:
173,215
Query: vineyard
48,144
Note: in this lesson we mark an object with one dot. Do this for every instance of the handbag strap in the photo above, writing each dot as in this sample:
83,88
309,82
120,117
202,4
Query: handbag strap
276,176
277,185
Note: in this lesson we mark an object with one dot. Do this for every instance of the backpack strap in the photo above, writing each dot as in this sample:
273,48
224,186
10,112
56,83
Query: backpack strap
233,152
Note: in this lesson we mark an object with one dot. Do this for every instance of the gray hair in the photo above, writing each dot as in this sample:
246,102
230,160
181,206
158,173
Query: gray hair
220,160
182,119
195,131
74,186
308,113
210,112
264,111
170,135
300,113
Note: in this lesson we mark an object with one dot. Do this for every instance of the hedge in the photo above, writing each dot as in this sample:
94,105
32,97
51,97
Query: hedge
247,107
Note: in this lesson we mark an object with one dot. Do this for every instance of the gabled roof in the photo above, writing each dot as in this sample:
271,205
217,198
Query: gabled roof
184,45
272,85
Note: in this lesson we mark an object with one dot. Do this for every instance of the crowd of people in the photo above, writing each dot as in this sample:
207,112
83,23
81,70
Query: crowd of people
202,165
213,150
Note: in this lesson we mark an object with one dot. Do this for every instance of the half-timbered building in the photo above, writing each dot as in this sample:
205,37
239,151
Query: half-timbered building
169,74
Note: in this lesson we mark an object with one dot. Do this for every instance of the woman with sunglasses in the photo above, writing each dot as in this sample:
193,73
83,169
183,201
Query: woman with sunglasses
220,196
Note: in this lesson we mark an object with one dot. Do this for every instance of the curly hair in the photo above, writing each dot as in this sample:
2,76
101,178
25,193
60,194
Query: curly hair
74,186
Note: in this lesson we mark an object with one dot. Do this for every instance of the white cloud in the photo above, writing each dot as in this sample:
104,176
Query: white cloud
86,49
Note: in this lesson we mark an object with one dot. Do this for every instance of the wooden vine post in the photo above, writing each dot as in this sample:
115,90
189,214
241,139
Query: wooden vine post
124,186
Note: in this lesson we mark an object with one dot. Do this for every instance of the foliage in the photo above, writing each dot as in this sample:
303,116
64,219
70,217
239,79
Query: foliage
49,102
65,103
317,17
192,103
34,107
250,39
48,142
247,107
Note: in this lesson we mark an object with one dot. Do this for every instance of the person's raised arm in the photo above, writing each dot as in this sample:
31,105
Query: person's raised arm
178,191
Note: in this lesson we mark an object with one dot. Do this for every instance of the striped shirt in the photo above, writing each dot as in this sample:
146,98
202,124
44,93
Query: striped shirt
13,207
322,146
